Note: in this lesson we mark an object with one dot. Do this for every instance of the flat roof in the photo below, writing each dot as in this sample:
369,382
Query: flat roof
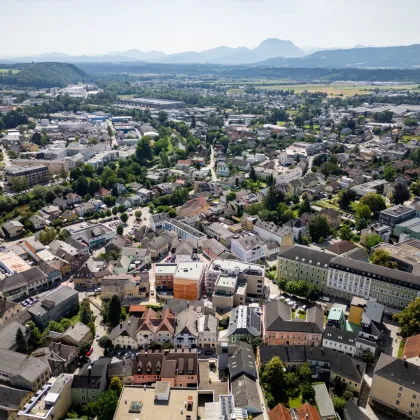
190,270
412,224
13,262
165,268
155,409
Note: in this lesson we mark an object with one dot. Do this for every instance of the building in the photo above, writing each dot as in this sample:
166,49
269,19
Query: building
353,412
90,275
8,310
53,401
77,334
186,329
192,207
244,323
396,387
90,383
369,187
34,174
304,412
150,103
125,286
161,402
189,280
8,335
58,304
164,276
269,231
12,401
396,215
11,229
392,288
249,248
154,327
94,235
219,232
408,229
280,328
23,371
207,330
124,335
323,402
304,263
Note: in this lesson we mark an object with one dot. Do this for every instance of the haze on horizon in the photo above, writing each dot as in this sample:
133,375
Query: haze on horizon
80,27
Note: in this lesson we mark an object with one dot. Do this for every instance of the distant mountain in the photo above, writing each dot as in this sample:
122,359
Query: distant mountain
367,57
137,54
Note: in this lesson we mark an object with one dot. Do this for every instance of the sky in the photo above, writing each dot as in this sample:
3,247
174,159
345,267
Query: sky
78,27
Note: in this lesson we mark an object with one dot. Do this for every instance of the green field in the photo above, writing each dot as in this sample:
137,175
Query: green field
5,71
345,89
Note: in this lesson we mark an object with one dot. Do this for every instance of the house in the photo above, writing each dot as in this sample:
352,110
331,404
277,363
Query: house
186,329
61,203
73,198
124,335
207,330
145,196
280,328
38,222
411,348
244,324
212,248
84,209
49,268
123,201
353,412
333,217
396,387
165,188
11,229
192,207
126,286
22,371
323,402
243,379
383,231
153,327
249,248
89,276
8,310
341,247
94,235
304,412
219,232
8,335
222,169
90,383
77,334
12,401
49,213
102,192
60,303
121,188
137,255
117,243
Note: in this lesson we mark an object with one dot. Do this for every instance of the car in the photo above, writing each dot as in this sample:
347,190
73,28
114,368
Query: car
304,307
97,337
208,353
24,303
89,352
119,354
199,352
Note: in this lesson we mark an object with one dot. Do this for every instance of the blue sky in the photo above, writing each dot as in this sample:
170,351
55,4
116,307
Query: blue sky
98,26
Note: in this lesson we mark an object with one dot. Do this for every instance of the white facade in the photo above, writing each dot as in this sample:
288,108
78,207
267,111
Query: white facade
125,342
348,282
249,254
342,348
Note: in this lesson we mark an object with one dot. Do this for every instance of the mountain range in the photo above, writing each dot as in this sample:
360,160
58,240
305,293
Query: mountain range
272,52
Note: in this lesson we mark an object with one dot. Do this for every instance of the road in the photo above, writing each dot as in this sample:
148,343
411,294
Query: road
94,305
212,164
6,160
113,138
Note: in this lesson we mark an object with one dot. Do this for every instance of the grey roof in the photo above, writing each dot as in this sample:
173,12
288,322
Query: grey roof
340,336
287,354
216,247
57,296
17,364
399,371
210,323
245,393
245,320
8,334
92,381
187,322
128,327
397,210
11,397
307,255
249,242
122,368
243,361
277,316
375,271
5,305
353,412
18,280
77,331
179,305
323,401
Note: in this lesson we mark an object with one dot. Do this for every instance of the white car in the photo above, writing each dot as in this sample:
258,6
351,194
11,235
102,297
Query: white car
97,337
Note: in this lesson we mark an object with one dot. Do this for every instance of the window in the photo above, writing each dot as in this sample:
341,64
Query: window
397,402
399,395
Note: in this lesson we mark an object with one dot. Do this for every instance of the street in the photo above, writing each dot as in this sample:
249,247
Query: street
211,166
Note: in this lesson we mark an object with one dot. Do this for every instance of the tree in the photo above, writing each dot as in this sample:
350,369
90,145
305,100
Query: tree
85,313
252,174
318,228
415,188
55,326
345,233
345,197
273,198
231,196
115,211
305,373
305,207
307,392
144,151
114,311
36,338
84,347
22,345
168,345
104,407
372,240
120,230
272,377
383,258
63,234
47,235
375,202
124,217
390,172
368,357
363,212
339,404
409,319
105,343
400,194
138,214
18,183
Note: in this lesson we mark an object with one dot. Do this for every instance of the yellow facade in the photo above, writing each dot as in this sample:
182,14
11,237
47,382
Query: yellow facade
355,314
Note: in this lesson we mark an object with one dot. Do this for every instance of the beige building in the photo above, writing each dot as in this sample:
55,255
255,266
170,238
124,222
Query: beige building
396,387
125,286
8,310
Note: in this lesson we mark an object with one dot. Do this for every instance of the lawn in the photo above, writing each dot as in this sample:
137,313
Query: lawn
335,89
401,349
5,71
302,316
407,138
295,402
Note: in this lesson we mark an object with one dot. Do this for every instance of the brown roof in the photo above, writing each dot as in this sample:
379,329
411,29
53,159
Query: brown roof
138,308
341,247
308,409
279,412
412,347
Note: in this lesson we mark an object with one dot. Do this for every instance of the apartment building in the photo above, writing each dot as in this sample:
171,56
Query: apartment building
269,231
154,327
207,331
396,387
396,215
189,280
34,174
186,329
244,324
164,276
279,327
249,248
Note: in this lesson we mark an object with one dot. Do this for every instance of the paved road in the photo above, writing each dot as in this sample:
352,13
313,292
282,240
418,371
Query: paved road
212,164
113,138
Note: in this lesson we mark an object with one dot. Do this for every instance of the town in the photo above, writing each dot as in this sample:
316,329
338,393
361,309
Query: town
208,250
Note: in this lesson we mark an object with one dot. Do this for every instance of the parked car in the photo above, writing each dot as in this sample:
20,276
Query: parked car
208,352
97,337
89,352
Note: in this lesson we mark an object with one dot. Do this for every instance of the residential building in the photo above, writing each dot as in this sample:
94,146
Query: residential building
384,231
304,412
323,402
90,383
269,231
164,276
12,401
249,248
8,334
153,327
49,213
162,402
23,371
212,248
244,323
396,215
396,387
219,232
137,255
208,328
8,310
94,236
11,229
90,275
53,401
186,329
280,328
222,169
125,286
189,280
353,412
124,335
34,174
77,334
192,207
58,304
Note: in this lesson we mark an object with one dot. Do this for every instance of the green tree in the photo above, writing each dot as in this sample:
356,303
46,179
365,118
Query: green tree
371,241
22,345
415,187
116,386
400,194
409,319
105,343
252,174
345,233
307,392
84,347
144,151
47,235
55,326
63,234
305,207
168,345
124,217
114,311
390,172
345,198
368,357
120,230
272,377
18,183
231,196
318,228
115,211
375,202
339,404
138,214
85,313
383,258
273,198
305,373
105,406
363,212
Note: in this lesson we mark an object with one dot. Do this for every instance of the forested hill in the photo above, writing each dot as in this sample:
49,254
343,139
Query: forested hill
41,75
